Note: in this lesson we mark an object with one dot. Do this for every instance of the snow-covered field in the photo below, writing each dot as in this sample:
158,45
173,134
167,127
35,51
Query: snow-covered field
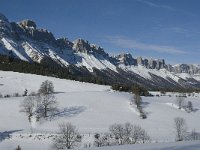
92,108
157,146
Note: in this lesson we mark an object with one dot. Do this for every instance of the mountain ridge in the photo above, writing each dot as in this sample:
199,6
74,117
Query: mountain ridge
23,40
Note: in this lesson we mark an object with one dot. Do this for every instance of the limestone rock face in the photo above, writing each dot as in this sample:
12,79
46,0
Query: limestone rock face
126,59
81,45
28,24
64,43
185,68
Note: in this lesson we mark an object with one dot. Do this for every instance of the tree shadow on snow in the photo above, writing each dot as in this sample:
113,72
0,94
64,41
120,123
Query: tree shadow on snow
69,111
195,109
145,104
58,92
6,134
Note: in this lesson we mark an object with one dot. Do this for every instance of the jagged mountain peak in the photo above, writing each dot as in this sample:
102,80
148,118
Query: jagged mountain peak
25,41
187,68
3,17
28,24
64,43
5,26
126,59
81,45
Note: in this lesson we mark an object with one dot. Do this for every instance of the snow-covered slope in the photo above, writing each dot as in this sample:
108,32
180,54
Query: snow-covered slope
147,73
157,146
92,108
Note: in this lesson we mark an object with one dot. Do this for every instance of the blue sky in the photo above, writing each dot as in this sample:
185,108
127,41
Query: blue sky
168,29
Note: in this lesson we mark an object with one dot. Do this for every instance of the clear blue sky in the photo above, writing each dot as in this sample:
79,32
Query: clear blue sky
168,29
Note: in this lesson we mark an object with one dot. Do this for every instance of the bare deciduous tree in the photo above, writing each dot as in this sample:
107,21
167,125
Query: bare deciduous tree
27,106
46,88
46,105
180,128
190,106
117,130
18,148
144,137
180,101
137,101
129,134
68,137
103,140
128,129
194,135
136,134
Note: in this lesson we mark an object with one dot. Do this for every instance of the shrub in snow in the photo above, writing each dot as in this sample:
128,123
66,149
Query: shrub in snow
189,106
143,115
16,95
28,106
25,92
1,96
194,135
46,88
68,137
7,96
180,128
33,94
103,140
18,148
128,134
180,101
137,100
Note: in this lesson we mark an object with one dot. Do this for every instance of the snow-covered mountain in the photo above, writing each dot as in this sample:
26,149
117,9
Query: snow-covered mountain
25,41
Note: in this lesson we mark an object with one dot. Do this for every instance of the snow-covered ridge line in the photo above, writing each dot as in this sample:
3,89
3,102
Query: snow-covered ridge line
25,41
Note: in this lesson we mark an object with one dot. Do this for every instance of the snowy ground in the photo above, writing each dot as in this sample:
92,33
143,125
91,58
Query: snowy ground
92,108
157,146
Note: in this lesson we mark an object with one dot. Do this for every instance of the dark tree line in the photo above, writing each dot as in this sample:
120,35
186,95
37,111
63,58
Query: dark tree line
12,64
8,63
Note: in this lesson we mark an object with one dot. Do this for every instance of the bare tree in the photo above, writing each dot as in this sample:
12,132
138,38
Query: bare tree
128,129
194,135
68,137
46,105
139,135
103,140
180,101
117,130
129,134
27,106
46,88
136,134
144,137
180,128
97,141
18,148
137,101
190,106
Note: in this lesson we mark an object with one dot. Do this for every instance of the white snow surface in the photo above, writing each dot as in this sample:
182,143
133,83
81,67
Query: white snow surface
92,108
145,73
157,146
90,62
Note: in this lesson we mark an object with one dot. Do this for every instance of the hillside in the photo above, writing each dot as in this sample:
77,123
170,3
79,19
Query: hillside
92,108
